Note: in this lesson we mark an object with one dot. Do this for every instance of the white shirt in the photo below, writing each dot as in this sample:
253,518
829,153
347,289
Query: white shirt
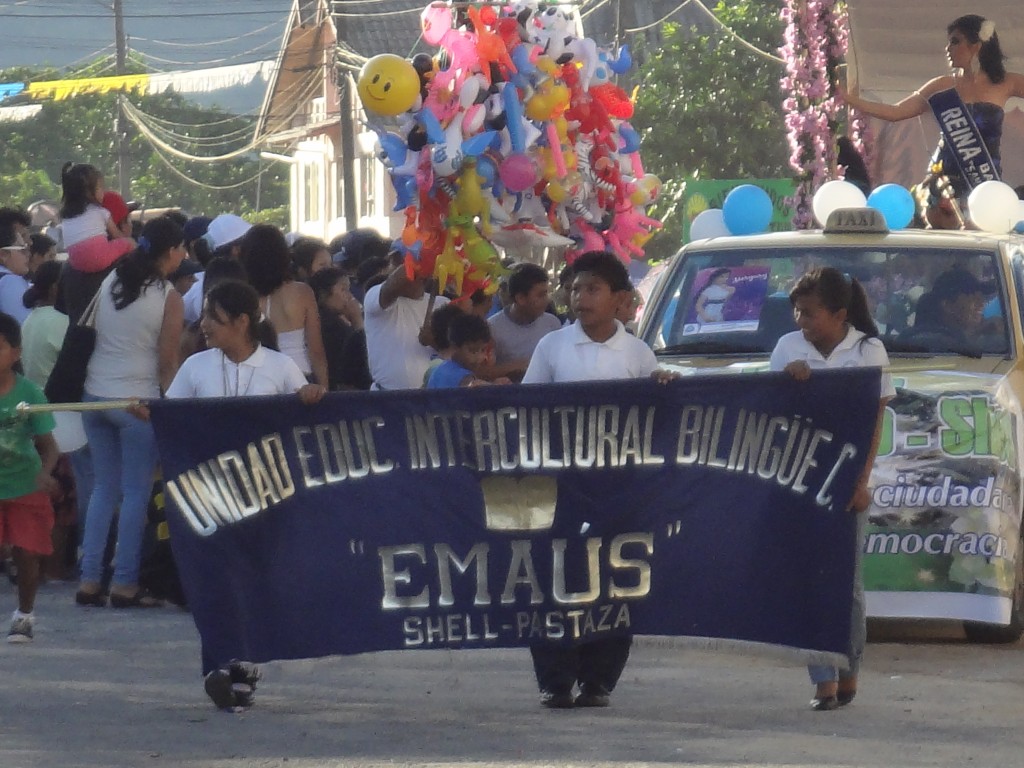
849,354
568,354
12,291
125,362
396,357
193,299
90,223
211,374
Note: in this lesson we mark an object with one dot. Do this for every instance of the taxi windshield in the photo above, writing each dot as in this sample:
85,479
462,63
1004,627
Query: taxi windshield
924,301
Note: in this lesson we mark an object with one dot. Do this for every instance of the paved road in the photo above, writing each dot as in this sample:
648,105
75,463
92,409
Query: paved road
105,688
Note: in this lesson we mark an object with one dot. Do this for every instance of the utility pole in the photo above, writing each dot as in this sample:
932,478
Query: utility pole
121,122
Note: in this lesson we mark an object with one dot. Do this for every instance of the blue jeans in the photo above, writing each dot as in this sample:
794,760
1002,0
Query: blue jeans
858,622
81,468
124,458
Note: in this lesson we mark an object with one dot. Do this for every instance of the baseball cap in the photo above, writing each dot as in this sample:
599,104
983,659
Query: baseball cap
186,268
225,229
118,208
356,246
196,227
958,282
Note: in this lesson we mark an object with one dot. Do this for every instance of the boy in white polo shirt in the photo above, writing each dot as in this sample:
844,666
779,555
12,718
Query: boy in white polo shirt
595,347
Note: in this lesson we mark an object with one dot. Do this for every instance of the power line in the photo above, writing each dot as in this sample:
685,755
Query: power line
234,59
172,44
248,12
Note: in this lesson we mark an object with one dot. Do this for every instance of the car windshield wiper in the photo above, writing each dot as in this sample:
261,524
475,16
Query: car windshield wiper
711,347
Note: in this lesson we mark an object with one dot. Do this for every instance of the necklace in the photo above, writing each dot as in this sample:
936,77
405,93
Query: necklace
226,378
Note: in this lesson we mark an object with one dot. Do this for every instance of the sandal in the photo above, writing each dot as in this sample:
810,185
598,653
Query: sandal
142,598
97,598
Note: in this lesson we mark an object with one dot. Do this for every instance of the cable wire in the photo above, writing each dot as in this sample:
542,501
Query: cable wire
172,44
722,25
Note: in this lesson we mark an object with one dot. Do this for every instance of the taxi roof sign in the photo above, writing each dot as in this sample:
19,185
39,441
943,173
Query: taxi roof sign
849,221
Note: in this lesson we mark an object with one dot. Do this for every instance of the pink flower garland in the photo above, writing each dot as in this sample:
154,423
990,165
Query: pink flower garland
814,44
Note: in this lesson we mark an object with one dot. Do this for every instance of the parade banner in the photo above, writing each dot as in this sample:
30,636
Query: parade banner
708,507
961,135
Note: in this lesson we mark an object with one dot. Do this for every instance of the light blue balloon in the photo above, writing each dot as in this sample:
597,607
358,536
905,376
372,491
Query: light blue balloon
895,203
747,210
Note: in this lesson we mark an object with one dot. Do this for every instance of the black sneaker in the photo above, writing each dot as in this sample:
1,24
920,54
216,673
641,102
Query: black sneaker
219,688
556,700
244,677
593,697
244,672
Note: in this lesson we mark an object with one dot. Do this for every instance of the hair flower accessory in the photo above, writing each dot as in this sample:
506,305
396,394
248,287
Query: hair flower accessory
988,28
144,244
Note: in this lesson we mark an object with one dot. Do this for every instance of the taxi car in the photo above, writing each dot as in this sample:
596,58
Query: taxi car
944,529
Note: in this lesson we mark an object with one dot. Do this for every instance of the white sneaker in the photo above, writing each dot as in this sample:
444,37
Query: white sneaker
21,630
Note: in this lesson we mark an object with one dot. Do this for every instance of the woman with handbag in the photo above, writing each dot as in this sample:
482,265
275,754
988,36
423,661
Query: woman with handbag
138,321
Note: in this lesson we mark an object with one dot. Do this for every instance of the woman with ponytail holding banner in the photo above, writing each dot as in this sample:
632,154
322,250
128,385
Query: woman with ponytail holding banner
969,101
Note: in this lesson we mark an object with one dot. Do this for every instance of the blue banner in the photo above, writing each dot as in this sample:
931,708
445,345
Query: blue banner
963,139
708,507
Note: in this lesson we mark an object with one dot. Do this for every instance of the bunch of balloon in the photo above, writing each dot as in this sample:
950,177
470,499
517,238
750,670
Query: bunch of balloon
747,210
514,134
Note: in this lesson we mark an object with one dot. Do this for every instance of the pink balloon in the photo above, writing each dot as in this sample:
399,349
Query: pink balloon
517,172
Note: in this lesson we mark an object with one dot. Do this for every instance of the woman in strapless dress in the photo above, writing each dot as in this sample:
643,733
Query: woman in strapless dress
980,78
287,304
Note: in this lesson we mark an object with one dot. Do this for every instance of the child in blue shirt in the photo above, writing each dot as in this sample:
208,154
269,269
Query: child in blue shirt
468,337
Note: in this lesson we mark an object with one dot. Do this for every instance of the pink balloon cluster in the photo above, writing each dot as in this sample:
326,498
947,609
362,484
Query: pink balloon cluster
521,130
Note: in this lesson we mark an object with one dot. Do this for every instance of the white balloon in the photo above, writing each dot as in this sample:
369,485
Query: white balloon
709,223
993,206
833,195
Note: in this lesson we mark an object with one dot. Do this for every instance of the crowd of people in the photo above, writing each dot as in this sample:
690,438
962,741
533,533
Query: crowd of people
196,306
199,307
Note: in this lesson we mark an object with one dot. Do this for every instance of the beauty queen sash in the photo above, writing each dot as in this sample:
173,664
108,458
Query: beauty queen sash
962,137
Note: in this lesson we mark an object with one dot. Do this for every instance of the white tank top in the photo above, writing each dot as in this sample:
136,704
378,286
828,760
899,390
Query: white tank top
125,362
293,344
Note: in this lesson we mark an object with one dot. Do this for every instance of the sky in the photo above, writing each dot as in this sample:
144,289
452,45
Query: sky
169,34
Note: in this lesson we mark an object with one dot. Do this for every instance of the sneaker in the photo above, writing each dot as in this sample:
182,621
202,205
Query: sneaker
219,688
21,630
556,700
593,697
244,677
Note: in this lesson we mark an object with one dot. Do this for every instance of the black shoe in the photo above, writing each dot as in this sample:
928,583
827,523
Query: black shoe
553,700
244,677
219,688
593,697
845,697
244,672
824,703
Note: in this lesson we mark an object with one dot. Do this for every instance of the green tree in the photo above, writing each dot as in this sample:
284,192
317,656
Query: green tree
82,129
708,107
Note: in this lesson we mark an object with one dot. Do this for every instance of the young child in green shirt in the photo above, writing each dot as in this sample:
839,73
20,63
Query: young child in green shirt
28,455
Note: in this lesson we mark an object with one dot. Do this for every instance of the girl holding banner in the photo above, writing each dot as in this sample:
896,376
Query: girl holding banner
972,98
837,331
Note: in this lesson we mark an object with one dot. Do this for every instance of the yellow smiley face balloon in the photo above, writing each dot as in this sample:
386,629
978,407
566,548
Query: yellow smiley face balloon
388,85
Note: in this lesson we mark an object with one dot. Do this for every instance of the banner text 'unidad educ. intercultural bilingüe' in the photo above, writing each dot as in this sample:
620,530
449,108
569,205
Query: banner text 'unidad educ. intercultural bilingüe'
507,515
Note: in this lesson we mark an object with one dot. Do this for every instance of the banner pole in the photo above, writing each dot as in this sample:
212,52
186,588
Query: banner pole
100,405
